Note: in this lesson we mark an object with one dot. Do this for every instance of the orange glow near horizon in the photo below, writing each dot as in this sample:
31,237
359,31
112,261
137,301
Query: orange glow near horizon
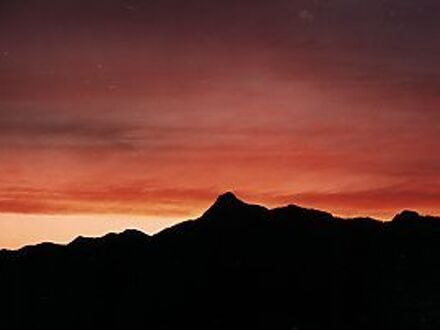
29,228
33,229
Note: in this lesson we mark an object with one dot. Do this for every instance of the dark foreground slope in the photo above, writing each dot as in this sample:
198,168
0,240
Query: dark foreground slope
237,267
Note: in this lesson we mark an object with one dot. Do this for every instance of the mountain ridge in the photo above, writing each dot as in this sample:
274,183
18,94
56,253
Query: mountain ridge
222,207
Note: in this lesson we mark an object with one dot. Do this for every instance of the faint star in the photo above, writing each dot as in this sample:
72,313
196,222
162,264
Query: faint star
305,16
129,6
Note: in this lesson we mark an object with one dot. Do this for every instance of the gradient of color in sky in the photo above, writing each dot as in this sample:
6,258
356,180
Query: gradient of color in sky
132,113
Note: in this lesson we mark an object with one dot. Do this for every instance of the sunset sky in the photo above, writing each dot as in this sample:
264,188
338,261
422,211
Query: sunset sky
117,114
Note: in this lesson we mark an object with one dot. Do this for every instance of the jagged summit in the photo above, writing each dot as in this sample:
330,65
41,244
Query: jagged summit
228,199
228,207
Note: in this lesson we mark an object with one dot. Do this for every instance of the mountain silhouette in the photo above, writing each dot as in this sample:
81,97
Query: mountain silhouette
238,266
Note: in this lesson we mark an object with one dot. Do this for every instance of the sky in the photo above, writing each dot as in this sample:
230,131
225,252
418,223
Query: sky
137,114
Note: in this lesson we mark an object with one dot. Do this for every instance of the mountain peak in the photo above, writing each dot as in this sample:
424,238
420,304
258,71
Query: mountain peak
226,202
228,198
227,205
406,216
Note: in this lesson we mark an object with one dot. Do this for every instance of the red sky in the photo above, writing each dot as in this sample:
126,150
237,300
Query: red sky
139,113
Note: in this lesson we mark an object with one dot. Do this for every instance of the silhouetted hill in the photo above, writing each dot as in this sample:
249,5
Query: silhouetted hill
239,266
